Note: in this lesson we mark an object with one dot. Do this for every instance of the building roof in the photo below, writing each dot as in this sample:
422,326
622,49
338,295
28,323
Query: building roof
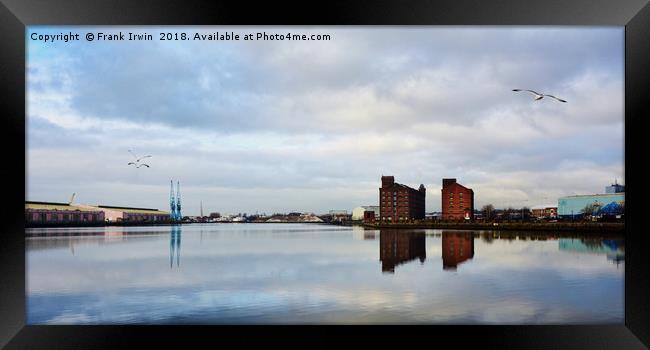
457,184
54,206
544,206
596,195
403,186
133,210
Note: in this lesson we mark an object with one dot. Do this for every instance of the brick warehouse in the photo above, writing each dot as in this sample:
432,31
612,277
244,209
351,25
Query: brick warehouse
457,201
399,202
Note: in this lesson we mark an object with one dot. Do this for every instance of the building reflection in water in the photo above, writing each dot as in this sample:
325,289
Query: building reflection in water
175,246
613,249
398,247
457,247
369,235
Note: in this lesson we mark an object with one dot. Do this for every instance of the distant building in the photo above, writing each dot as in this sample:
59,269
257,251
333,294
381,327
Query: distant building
358,212
602,204
611,203
52,214
399,202
369,217
338,212
457,201
132,215
615,188
547,211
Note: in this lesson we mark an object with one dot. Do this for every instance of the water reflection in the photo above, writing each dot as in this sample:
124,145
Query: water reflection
398,247
175,245
457,247
294,273
613,249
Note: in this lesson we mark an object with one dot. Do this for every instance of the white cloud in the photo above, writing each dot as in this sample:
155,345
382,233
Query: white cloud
420,104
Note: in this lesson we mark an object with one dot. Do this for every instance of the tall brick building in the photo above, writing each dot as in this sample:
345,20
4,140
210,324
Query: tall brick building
457,201
399,202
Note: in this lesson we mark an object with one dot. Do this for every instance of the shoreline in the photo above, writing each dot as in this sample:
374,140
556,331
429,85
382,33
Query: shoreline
584,227
541,228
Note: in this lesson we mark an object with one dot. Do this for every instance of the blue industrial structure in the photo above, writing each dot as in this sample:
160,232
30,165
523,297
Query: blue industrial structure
603,204
178,201
175,203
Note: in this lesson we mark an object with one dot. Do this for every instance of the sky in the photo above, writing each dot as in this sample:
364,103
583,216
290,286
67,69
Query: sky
252,126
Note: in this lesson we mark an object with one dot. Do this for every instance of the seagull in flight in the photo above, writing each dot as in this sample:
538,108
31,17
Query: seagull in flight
539,96
136,157
138,166
137,160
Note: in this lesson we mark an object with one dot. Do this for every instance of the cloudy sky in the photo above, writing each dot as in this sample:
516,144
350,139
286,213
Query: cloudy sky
279,126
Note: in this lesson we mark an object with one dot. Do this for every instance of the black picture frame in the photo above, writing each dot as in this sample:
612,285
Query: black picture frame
16,14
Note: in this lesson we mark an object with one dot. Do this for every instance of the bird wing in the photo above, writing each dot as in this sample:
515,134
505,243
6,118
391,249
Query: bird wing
130,163
136,157
559,99
143,165
535,92
145,157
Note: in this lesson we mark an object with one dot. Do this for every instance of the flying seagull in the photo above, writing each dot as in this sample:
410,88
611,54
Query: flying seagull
137,160
539,96
136,157
138,166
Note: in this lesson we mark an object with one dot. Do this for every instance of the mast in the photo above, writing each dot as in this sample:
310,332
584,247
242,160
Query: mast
178,201
172,202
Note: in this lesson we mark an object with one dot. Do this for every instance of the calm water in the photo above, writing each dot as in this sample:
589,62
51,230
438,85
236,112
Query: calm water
306,273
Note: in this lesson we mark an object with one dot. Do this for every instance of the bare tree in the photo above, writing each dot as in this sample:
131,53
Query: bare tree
589,210
488,212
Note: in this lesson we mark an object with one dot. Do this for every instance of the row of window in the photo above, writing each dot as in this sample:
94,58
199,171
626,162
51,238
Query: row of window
42,217
390,218
79,217
143,218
